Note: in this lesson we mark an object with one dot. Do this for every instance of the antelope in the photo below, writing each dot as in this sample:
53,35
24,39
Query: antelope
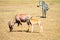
19,18
35,21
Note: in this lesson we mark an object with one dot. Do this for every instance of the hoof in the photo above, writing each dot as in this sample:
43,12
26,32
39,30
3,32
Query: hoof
11,30
27,31
43,17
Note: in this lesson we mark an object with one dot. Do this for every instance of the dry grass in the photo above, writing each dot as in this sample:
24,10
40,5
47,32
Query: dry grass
51,24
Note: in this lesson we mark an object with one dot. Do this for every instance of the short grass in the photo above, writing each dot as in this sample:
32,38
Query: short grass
51,24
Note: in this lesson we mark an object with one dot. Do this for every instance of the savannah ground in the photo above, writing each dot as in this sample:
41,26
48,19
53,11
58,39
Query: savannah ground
51,24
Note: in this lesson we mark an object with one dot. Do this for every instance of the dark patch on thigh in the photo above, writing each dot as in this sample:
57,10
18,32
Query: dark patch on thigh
18,22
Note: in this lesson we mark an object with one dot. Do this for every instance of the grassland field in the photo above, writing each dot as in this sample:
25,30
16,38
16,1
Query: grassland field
51,24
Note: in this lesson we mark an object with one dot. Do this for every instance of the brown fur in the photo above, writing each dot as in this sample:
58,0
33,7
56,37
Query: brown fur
19,18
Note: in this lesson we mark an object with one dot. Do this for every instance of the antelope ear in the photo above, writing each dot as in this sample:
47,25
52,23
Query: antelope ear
31,17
